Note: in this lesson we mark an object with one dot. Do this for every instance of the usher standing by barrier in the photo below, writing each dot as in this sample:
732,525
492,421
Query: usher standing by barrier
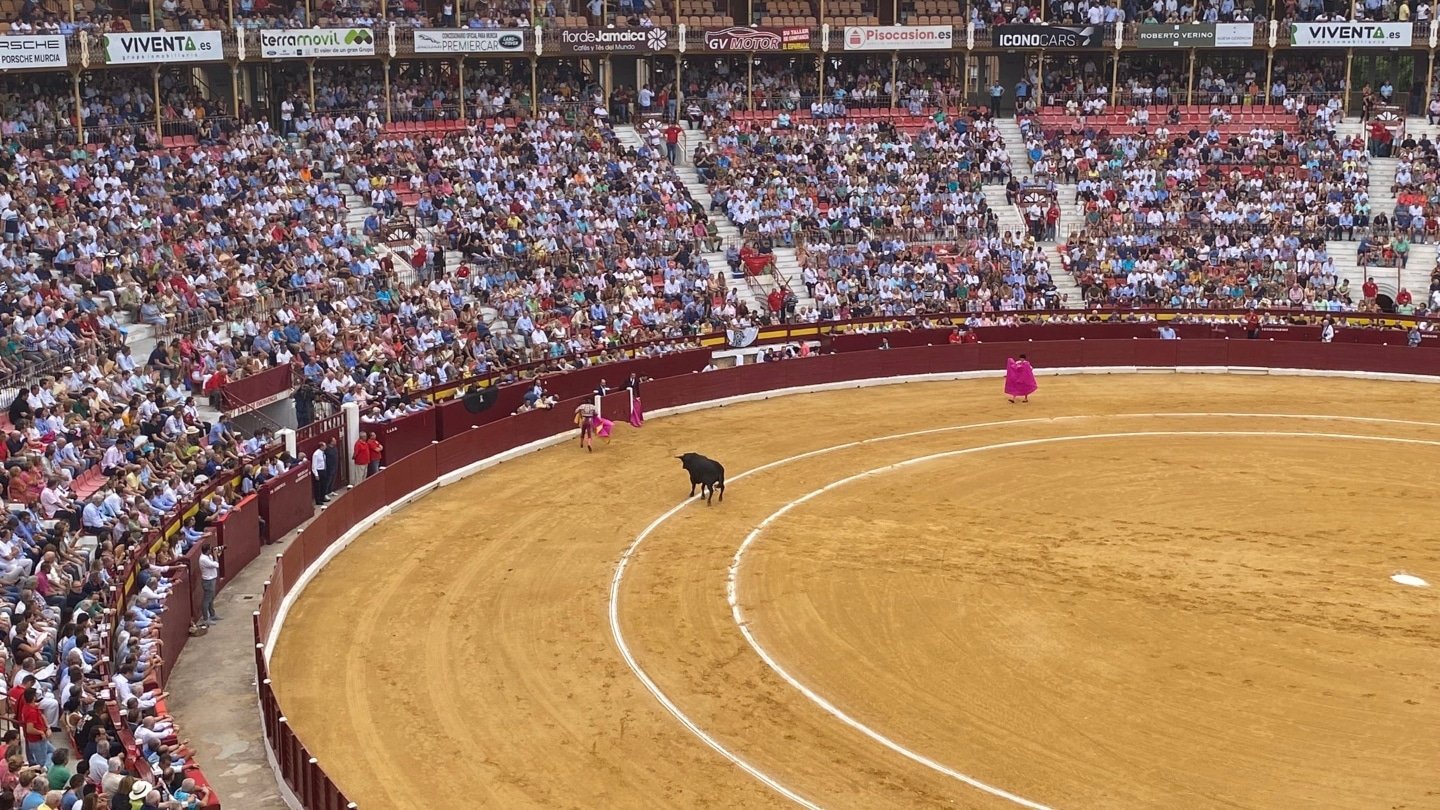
209,581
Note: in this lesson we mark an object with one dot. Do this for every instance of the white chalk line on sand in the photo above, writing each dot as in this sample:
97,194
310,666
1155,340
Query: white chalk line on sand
690,725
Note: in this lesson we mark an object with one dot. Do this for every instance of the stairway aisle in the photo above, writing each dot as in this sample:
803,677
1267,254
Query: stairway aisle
1015,147
787,264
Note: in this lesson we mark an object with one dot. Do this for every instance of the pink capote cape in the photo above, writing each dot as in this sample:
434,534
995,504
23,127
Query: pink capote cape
1019,378
604,427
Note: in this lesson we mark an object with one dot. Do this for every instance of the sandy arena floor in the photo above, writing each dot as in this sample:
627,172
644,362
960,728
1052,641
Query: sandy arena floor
1104,598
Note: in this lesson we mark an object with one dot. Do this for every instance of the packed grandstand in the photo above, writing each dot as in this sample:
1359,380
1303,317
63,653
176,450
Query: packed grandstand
387,227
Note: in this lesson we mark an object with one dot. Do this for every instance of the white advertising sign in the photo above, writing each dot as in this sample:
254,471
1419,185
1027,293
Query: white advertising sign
898,37
442,41
276,43
163,46
1351,35
33,51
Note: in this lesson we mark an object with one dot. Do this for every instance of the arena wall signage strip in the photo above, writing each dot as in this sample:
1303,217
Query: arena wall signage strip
745,38
1202,35
33,51
1048,36
164,46
492,41
613,40
1351,35
899,37
276,43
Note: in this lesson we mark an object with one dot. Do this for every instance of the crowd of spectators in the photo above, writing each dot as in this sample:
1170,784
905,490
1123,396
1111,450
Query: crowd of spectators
843,176
986,272
721,86
1082,85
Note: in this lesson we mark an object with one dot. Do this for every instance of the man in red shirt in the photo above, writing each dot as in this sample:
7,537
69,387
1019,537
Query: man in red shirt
377,454
1370,289
37,733
776,302
672,141
362,454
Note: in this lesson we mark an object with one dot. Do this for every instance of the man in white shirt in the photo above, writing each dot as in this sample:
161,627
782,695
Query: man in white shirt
209,580
319,475
100,762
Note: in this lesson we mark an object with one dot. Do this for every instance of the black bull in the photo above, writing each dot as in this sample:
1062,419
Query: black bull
706,474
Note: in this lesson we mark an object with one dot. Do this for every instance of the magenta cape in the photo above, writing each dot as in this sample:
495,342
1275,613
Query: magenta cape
605,426
1019,378
637,413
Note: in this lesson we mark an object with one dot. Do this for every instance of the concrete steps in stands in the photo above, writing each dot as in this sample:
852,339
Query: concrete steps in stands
787,264
1382,183
627,135
1015,147
1007,215
1415,276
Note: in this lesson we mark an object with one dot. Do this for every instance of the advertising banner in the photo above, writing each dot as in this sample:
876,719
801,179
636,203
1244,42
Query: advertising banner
613,40
1201,35
744,38
163,46
494,41
898,37
1048,36
24,51
279,43
1351,35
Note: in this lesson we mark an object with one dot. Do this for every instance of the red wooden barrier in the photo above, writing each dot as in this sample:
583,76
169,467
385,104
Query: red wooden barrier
286,501
256,390
403,436
238,533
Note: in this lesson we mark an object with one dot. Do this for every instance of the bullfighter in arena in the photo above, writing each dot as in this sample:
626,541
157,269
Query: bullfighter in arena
585,417
1019,379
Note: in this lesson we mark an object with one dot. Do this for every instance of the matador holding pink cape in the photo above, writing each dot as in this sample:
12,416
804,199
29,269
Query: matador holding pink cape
1019,379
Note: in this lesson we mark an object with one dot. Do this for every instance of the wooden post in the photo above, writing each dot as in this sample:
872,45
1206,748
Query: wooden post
155,78
894,78
1429,86
1039,81
1269,73
235,91
79,107
1190,88
460,66
389,116
750,83
535,86
1349,66
1114,79
310,69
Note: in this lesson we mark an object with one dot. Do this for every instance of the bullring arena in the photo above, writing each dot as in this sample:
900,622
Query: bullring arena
1134,591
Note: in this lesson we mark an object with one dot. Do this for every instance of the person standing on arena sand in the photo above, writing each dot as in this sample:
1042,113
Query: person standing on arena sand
1019,379
585,415
637,413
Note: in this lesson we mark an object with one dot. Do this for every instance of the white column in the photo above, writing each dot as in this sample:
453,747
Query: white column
352,435
288,436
